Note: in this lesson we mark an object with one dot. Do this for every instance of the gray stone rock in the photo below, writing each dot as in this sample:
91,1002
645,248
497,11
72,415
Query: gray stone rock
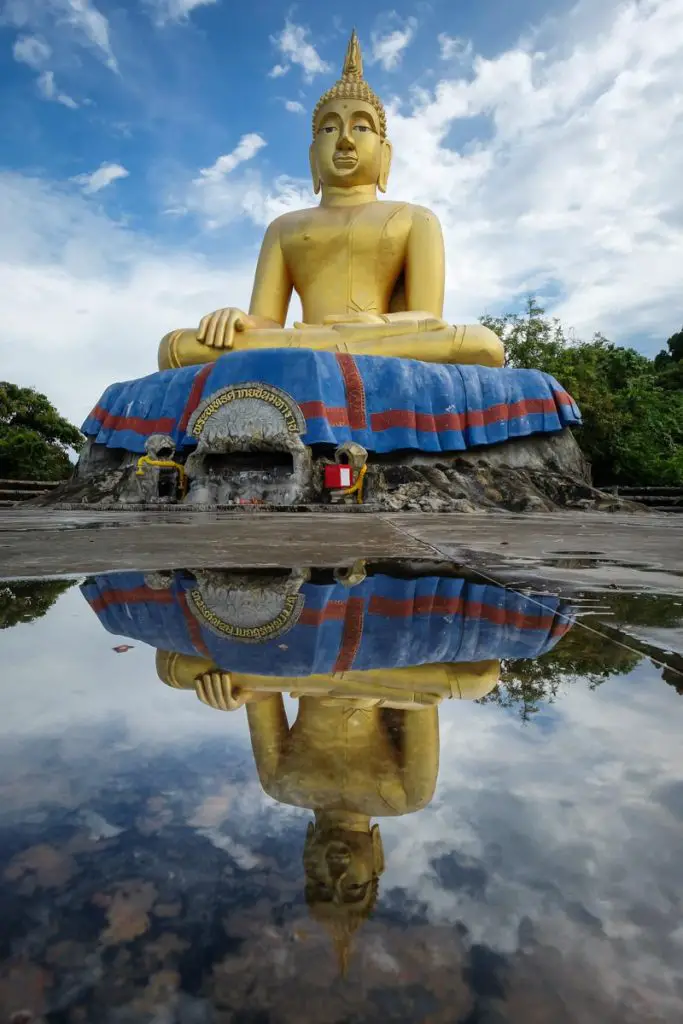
539,473
529,474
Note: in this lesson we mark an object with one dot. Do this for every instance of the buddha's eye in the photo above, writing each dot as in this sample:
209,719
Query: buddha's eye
361,128
329,128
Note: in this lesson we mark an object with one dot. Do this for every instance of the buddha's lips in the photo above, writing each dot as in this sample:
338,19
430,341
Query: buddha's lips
345,161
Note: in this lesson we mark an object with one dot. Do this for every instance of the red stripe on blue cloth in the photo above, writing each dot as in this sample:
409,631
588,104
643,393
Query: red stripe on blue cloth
193,626
353,416
392,608
134,596
336,416
435,423
338,611
138,424
194,397
352,634
355,391
333,611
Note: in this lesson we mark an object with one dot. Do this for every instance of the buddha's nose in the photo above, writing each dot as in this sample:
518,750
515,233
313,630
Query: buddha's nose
338,858
345,141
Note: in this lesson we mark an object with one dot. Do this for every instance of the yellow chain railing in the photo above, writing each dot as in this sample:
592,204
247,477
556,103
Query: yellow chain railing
147,460
357,486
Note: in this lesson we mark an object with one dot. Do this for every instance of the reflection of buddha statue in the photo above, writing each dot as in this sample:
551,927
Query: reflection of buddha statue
348,759
370,274
369,657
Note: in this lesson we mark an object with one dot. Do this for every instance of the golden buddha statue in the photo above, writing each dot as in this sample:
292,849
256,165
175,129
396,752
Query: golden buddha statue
364,744
370,274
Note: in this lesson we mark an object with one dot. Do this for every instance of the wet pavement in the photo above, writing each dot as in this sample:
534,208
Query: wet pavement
580,548
422,788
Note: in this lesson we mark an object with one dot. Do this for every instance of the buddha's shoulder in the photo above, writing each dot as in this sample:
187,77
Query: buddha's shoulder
408,214
292,218
421,213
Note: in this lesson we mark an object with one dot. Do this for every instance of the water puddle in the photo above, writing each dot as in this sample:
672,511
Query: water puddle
392,792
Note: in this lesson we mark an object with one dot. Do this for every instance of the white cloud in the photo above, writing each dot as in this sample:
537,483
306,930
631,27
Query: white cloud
388,47
175,10
85,300
278,70
218,197
49,91
569,182
94,26
246,149
453,47
89,26
35,52
295,46
99,179
294,107
31,50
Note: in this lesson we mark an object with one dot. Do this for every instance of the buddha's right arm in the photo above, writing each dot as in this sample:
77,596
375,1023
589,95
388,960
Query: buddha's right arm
269,732
272,289
420,754
267,310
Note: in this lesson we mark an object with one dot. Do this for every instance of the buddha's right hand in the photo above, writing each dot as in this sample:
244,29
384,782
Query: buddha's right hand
218,329
220,691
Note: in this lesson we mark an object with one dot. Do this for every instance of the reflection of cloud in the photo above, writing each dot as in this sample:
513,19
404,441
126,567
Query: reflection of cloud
48,692
563,828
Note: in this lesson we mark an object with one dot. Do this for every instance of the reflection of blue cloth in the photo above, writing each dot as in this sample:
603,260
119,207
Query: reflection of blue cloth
382,403
382,623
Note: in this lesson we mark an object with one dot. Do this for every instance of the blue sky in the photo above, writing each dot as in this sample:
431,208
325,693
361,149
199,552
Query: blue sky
145,145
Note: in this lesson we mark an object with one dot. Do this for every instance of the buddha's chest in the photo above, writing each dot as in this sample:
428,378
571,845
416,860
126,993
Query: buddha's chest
367,239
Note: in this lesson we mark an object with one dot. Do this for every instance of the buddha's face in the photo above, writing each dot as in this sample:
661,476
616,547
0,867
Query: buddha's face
347,149
341,867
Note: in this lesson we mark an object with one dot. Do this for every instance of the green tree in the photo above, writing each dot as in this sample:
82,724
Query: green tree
675,353
526,684
24,601
34,438
632,407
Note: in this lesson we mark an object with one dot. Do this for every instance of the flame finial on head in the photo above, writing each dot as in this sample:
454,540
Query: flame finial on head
353,62
352,85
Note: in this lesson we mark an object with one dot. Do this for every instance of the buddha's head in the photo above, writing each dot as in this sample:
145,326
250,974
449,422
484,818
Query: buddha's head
342,869
349,145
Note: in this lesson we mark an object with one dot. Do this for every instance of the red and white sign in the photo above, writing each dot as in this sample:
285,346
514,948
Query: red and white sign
337,478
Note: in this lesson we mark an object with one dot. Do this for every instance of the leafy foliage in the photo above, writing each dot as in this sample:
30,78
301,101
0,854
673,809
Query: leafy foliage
526,684
24,601
34,438
632,406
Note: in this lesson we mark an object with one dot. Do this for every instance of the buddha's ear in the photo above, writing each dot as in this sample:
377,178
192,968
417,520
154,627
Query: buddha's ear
384,165
377,850
317,184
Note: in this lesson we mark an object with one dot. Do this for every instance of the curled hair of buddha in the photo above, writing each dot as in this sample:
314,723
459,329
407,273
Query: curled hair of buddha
352,86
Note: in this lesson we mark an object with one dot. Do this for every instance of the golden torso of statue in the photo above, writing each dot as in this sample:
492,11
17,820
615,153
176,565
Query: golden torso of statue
339,755
345,260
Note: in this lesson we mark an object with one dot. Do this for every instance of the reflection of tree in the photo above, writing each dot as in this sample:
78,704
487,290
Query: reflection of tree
664,611
527,683
674,676
26,601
